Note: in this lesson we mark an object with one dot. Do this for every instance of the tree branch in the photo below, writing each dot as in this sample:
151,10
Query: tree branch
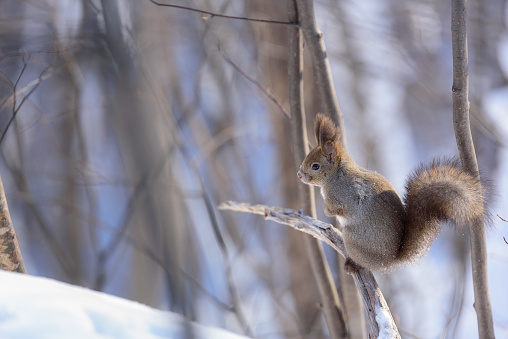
10,254
30,87
211,14
466,149
328,294
351,304
380,318
321,64
263,89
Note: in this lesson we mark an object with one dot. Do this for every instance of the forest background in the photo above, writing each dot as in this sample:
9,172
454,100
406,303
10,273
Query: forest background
124,125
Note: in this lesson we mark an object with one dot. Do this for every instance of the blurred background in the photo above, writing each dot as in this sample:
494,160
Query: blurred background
124,125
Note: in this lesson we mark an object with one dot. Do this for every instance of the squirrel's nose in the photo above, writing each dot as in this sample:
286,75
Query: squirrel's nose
299,174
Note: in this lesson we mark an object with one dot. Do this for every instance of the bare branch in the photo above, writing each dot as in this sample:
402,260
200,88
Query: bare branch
235,297
467,154
381,320
149,252
22,53
321,64
326,287
263,89
31,87
504,221
351,305
318,229
211,14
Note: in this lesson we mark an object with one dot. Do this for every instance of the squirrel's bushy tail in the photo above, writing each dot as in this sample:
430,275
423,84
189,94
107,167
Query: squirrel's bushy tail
438,192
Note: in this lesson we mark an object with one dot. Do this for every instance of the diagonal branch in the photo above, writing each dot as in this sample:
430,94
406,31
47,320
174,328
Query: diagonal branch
212,14
263,89
380,318
31,87
286,216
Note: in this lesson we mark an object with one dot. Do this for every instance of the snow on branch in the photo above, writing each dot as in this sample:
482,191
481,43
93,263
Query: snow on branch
365,282
318,229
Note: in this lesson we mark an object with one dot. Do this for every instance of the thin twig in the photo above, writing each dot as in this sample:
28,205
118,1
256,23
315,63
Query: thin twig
10,253
14,109
148,251
139,191
263,89
236,306
21,53
235,296
504,221
31,87
212,14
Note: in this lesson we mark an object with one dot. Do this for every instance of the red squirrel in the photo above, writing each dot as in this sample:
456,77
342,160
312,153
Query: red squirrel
381,231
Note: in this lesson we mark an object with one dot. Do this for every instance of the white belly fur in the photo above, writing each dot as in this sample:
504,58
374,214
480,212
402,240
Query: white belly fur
341,220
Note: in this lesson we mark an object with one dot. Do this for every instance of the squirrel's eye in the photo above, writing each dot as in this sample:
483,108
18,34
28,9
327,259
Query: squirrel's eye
315,166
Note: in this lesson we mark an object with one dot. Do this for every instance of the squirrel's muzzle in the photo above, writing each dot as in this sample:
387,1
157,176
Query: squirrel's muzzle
304,177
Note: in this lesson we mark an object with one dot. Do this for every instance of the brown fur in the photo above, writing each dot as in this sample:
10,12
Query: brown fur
380,232
325,130
437,192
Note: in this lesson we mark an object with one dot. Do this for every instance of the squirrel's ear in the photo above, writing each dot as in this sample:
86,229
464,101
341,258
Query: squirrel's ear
330,152
325,130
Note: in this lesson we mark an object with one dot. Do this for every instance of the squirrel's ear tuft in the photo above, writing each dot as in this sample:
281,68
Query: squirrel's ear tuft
325,130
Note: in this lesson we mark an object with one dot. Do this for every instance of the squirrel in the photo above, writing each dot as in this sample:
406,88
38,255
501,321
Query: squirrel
380,231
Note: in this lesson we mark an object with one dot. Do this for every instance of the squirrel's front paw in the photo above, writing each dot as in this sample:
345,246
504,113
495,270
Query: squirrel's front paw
350,266
333,211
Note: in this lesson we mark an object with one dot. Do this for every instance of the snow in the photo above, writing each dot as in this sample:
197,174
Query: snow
34,307
384,321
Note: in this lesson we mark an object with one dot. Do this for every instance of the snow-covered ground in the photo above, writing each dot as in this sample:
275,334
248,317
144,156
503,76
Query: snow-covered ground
38,308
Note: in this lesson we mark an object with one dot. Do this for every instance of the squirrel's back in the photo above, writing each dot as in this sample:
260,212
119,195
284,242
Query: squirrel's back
437,192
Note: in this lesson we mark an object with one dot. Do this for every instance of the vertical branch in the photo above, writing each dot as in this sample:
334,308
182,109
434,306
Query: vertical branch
468,158
322,274
328,99
10,254
460,88
322,73
321,64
